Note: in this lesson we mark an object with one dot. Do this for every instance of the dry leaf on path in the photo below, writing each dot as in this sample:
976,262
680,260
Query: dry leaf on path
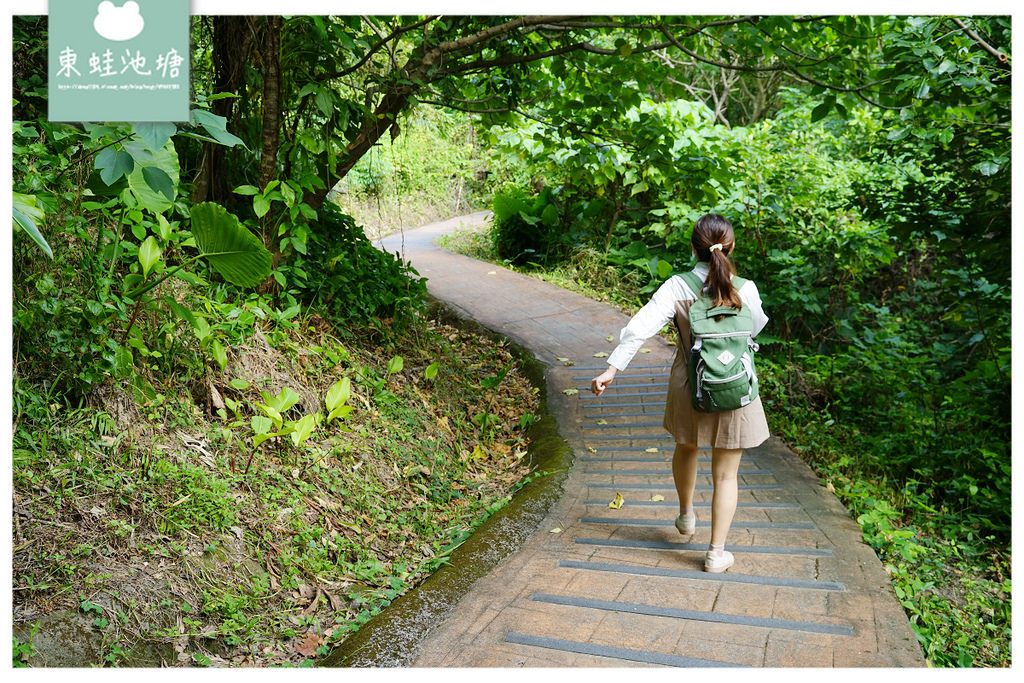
556,530
651,450
571,392
657,498
492,272
617,503
602,422
609,338
601,354
644,351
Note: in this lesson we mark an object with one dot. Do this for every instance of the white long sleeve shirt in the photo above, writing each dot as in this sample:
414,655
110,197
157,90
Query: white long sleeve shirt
661,309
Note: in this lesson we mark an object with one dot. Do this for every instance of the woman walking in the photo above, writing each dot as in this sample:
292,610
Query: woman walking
729,432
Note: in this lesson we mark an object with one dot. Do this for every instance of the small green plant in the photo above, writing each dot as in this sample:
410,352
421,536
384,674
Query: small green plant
23,652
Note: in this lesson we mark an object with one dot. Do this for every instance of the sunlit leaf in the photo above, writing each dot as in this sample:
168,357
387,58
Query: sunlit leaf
657,498
219,354
601,354
395,365
431,371
339,393
149,254
617,501
570,392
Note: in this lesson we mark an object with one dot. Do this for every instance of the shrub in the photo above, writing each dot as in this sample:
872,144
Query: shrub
349,280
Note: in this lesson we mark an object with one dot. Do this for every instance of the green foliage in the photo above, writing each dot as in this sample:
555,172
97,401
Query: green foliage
525,228
348,280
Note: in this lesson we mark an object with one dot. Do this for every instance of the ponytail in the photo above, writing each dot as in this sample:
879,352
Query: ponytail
713,240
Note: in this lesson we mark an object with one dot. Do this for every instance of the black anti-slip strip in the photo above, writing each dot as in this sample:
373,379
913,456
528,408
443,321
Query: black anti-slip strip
665,471
627,487
666,458
675,503
625,425
640,437
703,576
604,406
619,386
701,547
643,656
605,367
628,521
633,449
641,393
667,451
599,416
694,615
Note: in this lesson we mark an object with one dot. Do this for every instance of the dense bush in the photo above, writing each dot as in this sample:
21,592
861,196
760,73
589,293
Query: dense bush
347,279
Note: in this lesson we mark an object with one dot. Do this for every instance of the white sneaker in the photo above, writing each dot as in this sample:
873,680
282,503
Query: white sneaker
716,564
687,523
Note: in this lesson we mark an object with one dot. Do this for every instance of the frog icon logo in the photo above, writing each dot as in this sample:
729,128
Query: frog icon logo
118,23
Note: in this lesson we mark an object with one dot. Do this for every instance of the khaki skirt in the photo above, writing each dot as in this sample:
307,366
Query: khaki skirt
744,427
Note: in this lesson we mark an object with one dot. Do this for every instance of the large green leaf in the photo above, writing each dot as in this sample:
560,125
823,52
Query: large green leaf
24,210
165,159
228,246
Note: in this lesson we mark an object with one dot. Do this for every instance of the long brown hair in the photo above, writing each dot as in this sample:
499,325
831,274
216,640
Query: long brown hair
712,229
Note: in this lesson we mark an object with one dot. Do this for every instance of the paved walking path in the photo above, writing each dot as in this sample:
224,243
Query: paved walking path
620,587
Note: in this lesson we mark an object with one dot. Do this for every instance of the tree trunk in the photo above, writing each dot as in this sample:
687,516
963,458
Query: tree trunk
232,43
271,101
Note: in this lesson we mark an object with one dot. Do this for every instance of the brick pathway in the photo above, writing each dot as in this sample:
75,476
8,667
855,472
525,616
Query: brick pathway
619,587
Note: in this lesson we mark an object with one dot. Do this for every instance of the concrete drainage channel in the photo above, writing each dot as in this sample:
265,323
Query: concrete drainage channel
390,638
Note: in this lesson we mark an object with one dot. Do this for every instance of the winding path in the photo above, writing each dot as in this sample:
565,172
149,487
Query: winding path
619,587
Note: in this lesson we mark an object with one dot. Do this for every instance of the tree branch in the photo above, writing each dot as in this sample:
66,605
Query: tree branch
1001,56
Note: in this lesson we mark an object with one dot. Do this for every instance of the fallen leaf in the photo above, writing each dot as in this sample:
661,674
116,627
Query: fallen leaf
307,648
492,272
602,422
556,530
592,450
830,487
644,351
609,338
657,498
601,354
571,392
651,450
478,453
568,363
617,503
561,360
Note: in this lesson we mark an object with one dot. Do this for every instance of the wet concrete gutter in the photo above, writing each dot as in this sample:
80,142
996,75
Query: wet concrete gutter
390,639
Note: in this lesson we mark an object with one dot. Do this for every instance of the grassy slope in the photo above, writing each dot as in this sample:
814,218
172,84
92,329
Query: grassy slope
140,518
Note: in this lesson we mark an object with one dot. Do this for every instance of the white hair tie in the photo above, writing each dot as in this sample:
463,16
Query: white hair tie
715,246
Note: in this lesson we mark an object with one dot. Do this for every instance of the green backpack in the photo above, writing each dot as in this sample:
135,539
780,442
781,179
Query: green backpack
721,366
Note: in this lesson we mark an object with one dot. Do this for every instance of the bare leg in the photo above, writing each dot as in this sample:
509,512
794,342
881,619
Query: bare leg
684,473
725,462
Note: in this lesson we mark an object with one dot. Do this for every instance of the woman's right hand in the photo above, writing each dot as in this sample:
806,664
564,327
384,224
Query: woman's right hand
601,382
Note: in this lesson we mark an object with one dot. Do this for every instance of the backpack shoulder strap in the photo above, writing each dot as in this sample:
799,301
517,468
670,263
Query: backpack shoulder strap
695,283
738,282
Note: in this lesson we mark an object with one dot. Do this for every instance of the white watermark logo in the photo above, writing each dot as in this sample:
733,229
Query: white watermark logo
118,23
